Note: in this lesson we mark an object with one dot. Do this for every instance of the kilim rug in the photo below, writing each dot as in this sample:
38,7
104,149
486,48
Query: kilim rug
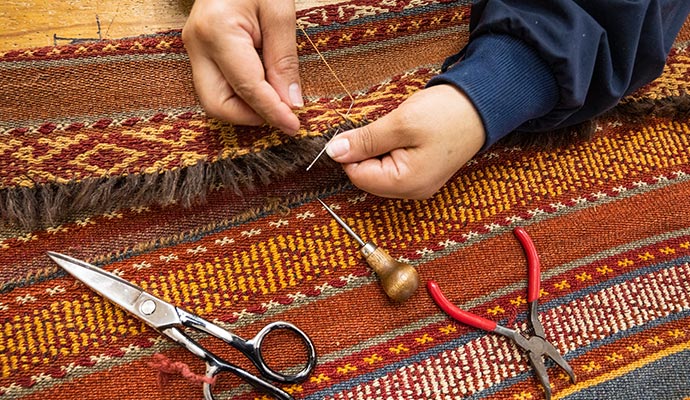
106,156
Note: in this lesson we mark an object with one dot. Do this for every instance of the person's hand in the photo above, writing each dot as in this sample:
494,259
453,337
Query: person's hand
412,151
221,38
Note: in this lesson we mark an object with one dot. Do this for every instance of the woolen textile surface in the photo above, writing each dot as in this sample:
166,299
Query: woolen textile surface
610,218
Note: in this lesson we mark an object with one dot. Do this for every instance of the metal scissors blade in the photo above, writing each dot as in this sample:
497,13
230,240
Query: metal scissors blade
152,310
170,321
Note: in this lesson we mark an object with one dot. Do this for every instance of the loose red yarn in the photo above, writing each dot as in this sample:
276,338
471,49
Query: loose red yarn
168,368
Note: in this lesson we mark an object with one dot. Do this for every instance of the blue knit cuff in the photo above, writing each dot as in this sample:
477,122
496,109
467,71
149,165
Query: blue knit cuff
506,80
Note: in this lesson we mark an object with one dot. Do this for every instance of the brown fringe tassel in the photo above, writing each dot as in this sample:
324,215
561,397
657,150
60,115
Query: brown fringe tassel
628,110
50,204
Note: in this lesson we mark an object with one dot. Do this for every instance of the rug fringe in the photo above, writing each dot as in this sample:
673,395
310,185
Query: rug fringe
45,205
633,110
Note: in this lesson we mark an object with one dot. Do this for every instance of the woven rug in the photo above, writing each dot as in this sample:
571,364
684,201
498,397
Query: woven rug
86,126
103,125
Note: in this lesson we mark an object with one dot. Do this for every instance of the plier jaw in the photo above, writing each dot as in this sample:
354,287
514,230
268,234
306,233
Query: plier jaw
533,341
538,349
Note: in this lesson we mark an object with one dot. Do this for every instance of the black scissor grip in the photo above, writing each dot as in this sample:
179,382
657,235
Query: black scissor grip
215,366
250,348
258,358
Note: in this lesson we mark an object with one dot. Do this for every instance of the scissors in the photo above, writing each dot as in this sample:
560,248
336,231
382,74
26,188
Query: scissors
169,320
534,342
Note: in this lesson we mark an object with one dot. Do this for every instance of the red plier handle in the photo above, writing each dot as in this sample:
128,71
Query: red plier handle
456,313
533,264
481,322
535,344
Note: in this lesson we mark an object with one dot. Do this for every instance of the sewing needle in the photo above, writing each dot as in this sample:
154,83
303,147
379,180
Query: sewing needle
352,99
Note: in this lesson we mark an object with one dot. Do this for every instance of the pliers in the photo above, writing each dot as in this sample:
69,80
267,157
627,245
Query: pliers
533,343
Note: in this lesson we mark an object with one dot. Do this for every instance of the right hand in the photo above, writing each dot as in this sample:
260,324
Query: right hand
415,149
221,38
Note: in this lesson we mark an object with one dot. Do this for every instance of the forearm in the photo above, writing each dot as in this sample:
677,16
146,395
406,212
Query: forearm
535,67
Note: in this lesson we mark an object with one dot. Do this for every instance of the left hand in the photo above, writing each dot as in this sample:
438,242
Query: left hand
411,152
232,81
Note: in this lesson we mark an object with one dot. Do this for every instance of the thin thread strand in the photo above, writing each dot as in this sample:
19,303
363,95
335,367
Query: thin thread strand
352,99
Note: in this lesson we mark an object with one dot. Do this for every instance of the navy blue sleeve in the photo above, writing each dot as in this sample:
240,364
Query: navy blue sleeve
539,65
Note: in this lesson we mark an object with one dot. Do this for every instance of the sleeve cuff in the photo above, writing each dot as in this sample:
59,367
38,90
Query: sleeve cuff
507,81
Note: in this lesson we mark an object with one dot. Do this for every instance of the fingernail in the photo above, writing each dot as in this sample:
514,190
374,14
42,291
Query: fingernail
337,147
295,94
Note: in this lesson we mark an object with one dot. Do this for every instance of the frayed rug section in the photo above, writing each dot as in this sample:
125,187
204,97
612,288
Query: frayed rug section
103,125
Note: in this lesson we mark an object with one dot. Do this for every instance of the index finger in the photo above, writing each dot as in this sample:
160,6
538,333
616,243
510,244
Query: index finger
240,64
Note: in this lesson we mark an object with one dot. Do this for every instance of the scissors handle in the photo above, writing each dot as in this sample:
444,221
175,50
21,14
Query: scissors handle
252,350
216,365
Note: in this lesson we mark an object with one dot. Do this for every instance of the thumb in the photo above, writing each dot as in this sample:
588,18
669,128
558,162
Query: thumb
369,141
280,51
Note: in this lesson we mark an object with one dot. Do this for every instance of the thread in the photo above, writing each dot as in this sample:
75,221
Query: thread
313,45
168,368
340,82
